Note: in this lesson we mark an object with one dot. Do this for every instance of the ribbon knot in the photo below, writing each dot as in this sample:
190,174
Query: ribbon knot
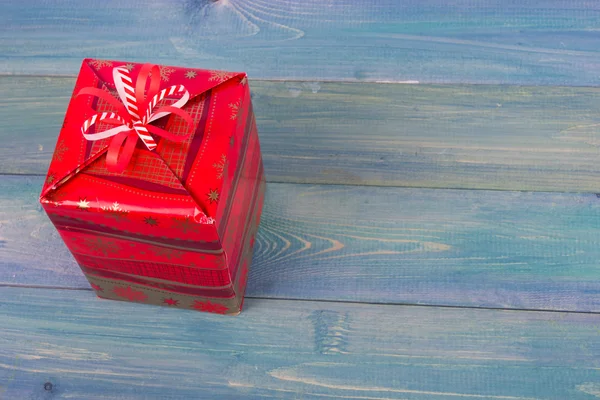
134,114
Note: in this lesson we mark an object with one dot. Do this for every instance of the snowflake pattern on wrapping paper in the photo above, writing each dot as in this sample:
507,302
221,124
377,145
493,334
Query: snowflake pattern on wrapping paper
210,307
216,262
220,166
219,76
184,224
101,63
115,211
60,150
130,294
235,109
50,178
101,245
151,221
190,74
165,73
129,67
170,254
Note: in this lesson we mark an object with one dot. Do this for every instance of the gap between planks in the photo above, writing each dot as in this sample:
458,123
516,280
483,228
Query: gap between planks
364,185
399,304
325,81
277,80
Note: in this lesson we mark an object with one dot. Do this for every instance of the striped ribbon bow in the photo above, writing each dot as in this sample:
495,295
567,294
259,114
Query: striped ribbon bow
134,114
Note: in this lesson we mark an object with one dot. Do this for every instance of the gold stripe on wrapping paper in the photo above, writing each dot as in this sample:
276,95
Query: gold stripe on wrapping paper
149,259
163,281
104,288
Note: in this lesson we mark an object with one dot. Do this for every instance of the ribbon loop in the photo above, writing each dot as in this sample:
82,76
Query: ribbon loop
134,114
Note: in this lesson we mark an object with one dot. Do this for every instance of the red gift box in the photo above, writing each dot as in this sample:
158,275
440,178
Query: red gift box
156,184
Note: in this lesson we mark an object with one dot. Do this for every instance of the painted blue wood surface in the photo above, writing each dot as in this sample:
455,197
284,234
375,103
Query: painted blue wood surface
331,242
465,136
545,42
89,349
370,244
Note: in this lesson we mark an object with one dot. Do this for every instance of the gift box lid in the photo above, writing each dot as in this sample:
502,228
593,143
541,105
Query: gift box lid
193,168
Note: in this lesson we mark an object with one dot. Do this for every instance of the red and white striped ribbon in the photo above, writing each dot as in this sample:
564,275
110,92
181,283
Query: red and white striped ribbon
143,133
161,95
127,93
88,123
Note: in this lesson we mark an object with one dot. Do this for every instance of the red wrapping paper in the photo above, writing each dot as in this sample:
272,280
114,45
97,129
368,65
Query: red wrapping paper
176,227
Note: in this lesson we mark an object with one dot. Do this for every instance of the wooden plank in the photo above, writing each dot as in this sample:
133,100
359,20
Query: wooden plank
368,244
486,41
469,136
87,348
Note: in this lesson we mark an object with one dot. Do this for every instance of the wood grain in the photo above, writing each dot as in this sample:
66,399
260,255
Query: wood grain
384,245
485,41
90,349
468,136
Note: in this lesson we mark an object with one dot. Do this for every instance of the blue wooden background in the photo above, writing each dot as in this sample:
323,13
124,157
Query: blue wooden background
539,42
431,226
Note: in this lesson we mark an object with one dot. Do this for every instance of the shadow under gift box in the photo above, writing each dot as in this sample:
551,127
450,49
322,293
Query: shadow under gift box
177,226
